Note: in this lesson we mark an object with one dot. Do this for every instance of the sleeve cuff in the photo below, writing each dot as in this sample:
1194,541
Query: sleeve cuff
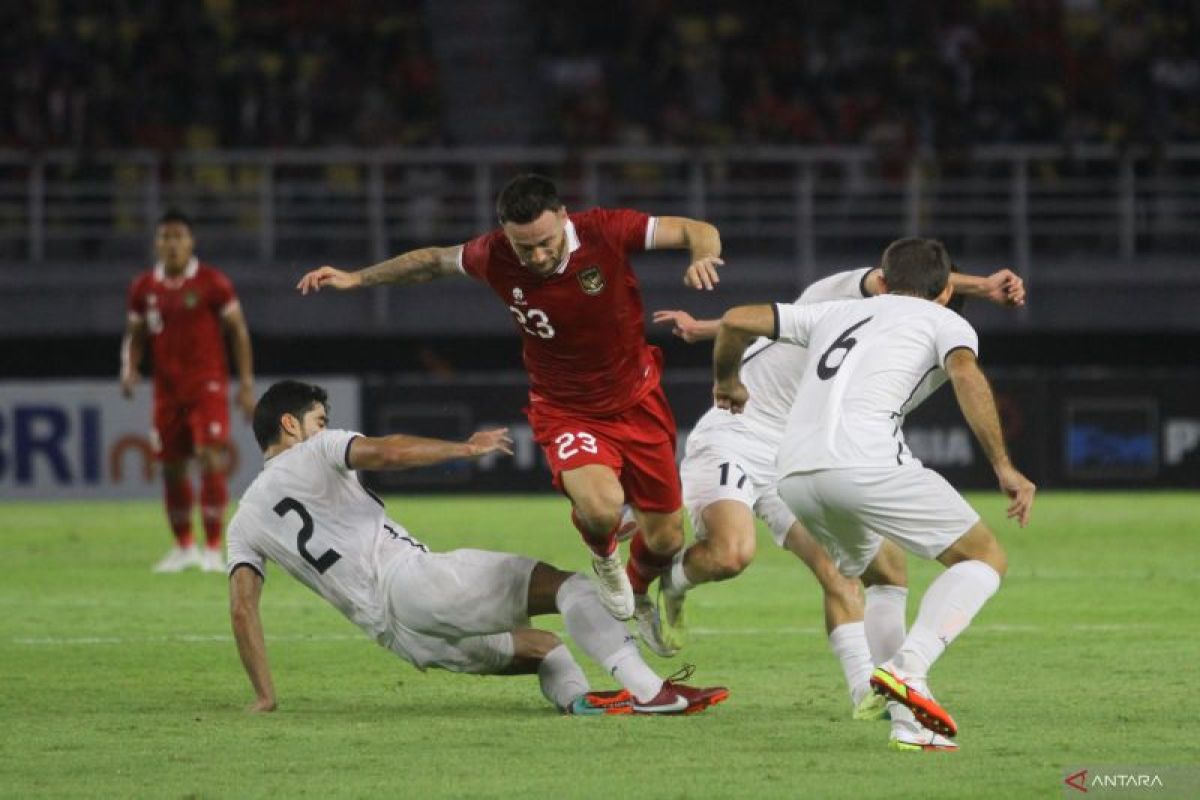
968,348
346,457
775,322
651,228
247,565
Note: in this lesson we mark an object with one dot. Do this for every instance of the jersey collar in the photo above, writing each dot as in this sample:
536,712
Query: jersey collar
189,272
572,246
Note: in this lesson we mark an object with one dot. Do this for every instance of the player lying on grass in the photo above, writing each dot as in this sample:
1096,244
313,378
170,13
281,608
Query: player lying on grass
728,474
464,611
848,475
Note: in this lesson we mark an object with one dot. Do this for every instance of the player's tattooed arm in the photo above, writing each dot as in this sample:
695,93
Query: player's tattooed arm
133,346
739,327
415,266
978,405
400,451
701,239
687,327
245,590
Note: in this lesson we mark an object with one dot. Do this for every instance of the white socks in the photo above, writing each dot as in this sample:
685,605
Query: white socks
849,643
561,678
605,640
949,605
885,620
677,579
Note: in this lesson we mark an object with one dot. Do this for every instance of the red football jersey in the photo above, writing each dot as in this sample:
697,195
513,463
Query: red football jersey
183,323
582,326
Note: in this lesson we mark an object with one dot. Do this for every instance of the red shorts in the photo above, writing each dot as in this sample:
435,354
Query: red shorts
181,427
638,444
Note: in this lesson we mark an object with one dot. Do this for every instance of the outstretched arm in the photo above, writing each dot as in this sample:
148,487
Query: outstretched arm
415,266
234,322
1003,287
701,239
404,452
245,589
978,406
687,327
133,346
739,327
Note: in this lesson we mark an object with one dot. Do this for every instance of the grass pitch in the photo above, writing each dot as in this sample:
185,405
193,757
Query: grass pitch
120,683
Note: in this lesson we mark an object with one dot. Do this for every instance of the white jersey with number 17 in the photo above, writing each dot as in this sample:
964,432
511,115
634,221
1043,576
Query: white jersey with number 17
307,512
869,363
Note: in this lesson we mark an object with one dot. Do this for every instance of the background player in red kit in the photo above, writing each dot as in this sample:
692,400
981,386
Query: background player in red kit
183,307
595,402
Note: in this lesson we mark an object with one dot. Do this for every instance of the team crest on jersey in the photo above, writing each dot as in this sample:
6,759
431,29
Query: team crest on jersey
592,280
518,296
190,299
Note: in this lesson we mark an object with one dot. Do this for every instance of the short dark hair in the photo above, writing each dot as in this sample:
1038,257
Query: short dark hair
175,215
525,197
285,397
915,266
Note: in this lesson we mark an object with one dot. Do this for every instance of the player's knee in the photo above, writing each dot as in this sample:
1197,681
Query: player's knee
599,512
729,562
997,559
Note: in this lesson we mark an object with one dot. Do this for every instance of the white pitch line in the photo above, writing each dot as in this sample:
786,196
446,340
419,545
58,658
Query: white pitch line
199,638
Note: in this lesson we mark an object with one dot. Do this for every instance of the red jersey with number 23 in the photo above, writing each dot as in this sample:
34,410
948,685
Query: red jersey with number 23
183,323
583,325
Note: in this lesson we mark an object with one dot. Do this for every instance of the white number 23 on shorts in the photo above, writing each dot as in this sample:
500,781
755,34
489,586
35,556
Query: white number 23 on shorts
570,444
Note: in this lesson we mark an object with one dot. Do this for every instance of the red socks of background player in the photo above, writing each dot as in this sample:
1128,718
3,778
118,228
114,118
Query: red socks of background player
178,499
644,564
213,497
602,545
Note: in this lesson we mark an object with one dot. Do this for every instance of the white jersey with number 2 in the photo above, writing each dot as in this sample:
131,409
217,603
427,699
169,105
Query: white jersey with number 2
870,362
307,512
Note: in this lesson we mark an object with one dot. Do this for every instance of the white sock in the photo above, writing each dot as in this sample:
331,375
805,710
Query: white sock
561,678
849,643
677,579
885,620
606,641
949,605
627,666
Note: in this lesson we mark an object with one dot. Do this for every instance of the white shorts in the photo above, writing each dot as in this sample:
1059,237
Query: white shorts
849,510
456,610
728,462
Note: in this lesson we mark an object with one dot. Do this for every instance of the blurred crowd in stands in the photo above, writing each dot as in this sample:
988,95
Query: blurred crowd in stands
900,75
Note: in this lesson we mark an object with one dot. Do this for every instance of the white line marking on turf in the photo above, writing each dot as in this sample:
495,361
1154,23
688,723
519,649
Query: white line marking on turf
200,638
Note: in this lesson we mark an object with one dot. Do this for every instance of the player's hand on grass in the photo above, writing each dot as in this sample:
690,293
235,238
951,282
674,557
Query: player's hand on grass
731,396
332,277
1005,288
685,326
263,705
493,441
245,400
702,273
1020,491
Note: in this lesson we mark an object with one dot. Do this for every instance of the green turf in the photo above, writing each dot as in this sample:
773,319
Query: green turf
119,683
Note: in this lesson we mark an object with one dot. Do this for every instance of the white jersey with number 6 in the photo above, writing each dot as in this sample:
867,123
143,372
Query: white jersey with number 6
307,512
869,363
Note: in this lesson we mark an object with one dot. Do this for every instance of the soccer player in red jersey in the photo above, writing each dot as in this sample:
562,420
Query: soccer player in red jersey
183,308
595,403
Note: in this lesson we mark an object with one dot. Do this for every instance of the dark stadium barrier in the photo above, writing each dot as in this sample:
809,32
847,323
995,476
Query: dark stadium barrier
1098,429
